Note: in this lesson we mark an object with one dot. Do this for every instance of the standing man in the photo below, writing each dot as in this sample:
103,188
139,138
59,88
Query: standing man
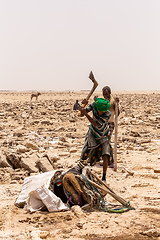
106,91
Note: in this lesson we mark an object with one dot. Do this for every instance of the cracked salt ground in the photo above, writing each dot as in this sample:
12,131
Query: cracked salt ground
52,118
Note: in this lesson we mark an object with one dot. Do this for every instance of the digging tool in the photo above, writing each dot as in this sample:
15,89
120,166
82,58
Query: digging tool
95,84
115,136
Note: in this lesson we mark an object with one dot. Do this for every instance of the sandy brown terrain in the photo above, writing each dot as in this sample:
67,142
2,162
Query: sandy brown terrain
33,130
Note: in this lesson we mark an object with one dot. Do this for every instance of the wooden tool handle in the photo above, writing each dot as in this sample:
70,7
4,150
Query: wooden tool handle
115,136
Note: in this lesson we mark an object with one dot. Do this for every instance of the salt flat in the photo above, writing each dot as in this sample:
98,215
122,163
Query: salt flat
32,130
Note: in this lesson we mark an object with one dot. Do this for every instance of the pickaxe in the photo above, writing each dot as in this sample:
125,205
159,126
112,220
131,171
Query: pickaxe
95,84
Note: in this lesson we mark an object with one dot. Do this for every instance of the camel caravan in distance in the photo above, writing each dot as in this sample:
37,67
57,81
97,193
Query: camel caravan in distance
35,94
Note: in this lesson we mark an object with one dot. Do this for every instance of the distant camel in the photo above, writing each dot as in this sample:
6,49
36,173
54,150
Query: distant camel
36,94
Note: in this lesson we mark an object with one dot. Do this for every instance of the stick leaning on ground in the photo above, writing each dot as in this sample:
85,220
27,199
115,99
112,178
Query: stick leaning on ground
102,186
115,136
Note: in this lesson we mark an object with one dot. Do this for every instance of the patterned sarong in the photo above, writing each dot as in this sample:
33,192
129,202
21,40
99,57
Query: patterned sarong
95,148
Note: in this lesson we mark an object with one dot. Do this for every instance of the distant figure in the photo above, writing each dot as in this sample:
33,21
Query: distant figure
36,94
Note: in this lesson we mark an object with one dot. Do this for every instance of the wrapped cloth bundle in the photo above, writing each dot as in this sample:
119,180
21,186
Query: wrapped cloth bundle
73,187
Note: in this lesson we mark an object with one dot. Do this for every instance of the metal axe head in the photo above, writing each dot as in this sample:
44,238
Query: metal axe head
91,76
95,84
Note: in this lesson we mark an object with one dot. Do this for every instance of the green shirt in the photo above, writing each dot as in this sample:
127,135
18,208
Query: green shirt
102,130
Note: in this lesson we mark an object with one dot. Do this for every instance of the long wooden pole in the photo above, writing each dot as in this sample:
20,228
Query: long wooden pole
114,195
115,136
111,192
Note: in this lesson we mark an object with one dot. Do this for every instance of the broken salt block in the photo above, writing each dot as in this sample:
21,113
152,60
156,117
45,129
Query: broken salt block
64,154
156,170
152,233
32,146
3,161
21,149
54,158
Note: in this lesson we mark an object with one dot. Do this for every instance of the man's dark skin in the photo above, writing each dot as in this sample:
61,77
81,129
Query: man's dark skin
107,94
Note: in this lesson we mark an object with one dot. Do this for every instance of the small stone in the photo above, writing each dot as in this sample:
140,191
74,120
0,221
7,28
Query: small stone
68,218
73,150
13,182
20,181
44,234
79,225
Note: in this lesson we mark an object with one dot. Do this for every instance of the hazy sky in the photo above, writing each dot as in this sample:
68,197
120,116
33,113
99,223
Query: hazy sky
53,44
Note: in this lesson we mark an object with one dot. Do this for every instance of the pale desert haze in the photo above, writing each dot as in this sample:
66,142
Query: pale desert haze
33,131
